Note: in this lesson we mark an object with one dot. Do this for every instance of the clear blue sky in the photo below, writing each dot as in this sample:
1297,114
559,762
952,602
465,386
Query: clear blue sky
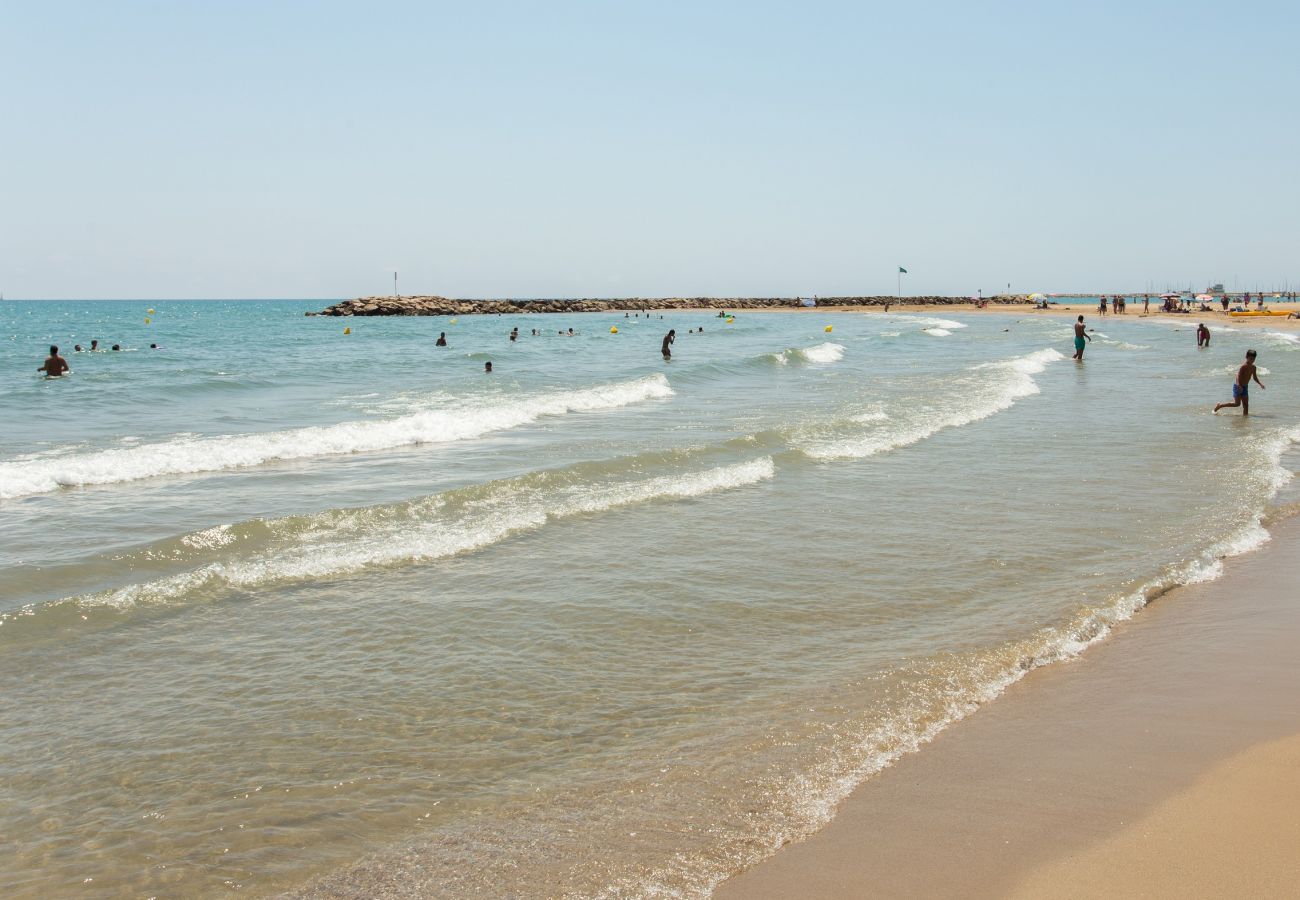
307,149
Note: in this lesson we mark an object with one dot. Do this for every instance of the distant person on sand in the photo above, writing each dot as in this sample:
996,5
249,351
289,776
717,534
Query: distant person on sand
1101,307
1241,387
54,365
487,367
1202,336
1081,337
1146,303
669,339
442,339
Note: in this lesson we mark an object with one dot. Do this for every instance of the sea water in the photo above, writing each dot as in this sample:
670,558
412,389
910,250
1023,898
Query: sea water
288,609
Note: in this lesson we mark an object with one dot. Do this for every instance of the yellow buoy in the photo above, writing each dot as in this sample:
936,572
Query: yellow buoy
828,329
149,311
347,330
613,329
729,321
147,320
452,322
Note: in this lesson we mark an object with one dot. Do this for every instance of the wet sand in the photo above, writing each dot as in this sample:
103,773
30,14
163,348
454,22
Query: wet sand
1148,767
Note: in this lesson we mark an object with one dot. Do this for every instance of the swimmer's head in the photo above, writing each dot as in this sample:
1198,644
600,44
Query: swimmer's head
153,346
487,367
1250,354
117,346
76,348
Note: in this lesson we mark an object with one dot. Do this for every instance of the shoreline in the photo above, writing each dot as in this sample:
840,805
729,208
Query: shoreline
1083,757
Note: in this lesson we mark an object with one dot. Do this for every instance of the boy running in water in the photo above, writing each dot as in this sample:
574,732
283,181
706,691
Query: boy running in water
1241,387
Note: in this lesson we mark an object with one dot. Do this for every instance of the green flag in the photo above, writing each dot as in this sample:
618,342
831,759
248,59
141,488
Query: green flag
901,269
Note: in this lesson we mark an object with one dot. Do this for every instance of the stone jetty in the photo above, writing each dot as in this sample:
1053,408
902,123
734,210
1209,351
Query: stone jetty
443,306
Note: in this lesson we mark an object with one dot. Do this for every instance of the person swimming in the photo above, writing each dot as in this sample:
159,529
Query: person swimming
117,346
94,345
77,348
487,367
669,339
54,365
442,339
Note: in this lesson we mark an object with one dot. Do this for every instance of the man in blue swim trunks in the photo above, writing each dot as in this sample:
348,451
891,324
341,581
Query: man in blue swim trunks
1080,333
1241,387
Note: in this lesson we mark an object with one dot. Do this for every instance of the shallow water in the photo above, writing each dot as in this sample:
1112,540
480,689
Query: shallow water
281,604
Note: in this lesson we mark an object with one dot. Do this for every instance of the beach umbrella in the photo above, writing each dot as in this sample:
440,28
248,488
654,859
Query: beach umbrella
1037,296
1205,298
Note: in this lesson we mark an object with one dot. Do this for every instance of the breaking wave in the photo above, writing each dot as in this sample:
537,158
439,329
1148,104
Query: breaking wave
188,455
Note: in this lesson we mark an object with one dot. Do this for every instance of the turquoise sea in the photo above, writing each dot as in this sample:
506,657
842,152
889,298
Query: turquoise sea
284,609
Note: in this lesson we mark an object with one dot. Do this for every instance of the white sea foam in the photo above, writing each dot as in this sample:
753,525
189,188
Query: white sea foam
934,323
937,332
1232,370
338,542
823,353
1283,338
187,454
992,388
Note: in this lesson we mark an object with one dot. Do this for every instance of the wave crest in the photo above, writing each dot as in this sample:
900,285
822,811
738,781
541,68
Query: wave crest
190,455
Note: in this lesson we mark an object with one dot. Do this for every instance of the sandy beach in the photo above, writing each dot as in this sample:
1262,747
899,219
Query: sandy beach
1071,310
1164,762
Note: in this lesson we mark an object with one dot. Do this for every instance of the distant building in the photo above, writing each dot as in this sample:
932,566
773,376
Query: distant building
1216,290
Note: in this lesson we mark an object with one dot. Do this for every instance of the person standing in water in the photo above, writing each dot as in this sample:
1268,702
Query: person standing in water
442,339
669,339
1241,387
1080,333
1202,336
54,365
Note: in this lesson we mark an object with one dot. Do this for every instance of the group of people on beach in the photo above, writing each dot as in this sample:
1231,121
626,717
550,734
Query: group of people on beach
1240,386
